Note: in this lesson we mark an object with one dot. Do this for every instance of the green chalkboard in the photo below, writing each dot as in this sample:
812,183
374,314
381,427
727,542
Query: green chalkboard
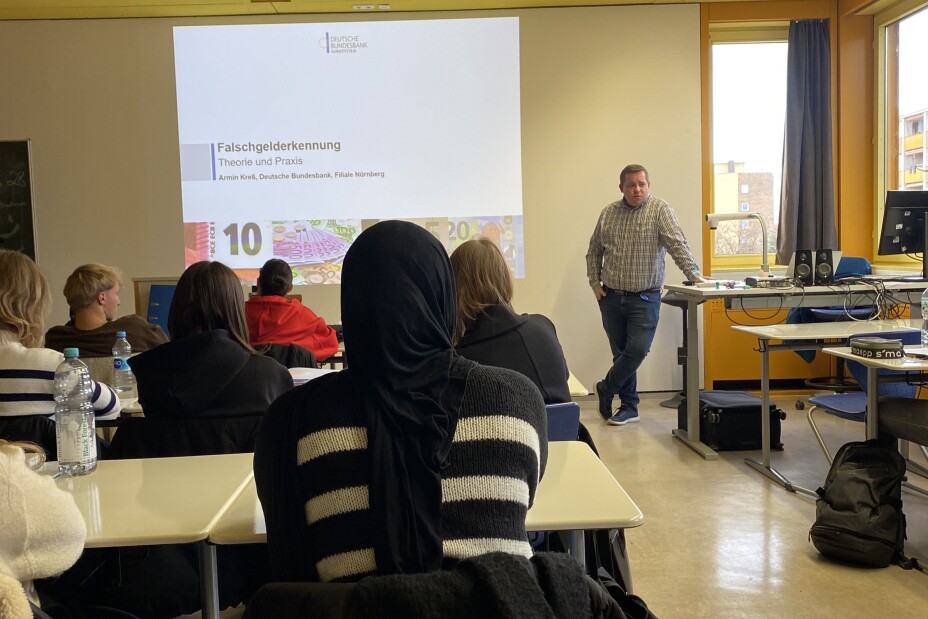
17,231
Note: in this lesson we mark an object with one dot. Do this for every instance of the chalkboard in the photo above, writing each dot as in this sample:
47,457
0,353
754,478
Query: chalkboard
17,231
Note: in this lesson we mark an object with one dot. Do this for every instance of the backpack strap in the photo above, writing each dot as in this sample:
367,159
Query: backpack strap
908,563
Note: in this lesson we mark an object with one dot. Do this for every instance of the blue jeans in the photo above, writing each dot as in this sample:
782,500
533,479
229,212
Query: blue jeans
630,323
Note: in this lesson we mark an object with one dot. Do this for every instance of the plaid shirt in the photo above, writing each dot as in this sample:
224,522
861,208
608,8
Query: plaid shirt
628,246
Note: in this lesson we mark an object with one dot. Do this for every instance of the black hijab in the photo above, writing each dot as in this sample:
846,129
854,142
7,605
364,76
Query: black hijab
398,313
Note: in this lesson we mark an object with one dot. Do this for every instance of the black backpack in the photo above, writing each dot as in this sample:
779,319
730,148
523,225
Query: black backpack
858,517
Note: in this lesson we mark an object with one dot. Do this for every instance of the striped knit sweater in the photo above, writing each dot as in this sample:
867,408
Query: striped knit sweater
316,493
27,383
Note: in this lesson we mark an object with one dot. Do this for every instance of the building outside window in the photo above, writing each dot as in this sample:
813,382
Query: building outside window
748,90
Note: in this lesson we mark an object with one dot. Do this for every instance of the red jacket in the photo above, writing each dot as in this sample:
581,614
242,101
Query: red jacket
276,320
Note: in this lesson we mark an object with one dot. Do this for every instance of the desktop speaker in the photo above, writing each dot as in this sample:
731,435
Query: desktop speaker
802,265
824,267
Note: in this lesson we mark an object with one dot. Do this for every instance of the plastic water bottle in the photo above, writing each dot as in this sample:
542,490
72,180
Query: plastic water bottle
123,379
75,431
925,318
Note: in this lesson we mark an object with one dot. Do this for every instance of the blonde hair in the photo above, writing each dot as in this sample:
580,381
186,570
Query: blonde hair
35,455
87,281
482,278
24,298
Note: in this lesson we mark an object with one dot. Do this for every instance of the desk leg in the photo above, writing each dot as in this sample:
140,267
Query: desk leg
209,580
576,547
764,467
873,398
690,436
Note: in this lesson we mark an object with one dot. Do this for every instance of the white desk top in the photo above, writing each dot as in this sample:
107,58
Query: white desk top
157,500
722,291
576,492
824,330
906,364
575,386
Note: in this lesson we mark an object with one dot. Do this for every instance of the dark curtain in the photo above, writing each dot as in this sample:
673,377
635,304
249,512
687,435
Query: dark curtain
807,199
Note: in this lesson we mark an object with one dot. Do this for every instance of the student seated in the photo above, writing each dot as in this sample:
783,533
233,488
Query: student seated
413,457
491,333
92,292
43,531
27,370
274,319
208,369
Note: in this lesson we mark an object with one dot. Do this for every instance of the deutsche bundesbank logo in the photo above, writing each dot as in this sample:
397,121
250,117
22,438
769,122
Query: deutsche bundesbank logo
342,43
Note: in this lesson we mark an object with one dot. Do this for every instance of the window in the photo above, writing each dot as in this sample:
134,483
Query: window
902,35
748,82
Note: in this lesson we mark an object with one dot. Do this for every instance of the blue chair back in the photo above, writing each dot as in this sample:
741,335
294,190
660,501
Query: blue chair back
849,266
899,390
563,421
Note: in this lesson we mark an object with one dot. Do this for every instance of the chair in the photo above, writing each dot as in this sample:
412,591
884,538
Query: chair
490,585
37,429
563,421
289,355
853,405
906,419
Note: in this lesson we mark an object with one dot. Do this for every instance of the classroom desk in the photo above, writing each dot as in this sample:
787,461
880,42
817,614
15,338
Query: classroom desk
161,501
805,336
907,364
577,493
575,387
768,298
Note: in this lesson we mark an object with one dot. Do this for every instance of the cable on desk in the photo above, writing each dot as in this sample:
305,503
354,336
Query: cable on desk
749,315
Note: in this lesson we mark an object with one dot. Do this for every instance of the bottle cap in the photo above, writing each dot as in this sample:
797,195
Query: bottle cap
71,352
120,334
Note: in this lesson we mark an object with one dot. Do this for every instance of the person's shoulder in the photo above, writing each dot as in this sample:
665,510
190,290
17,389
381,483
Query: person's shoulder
658,203
503,384
34,357
540,321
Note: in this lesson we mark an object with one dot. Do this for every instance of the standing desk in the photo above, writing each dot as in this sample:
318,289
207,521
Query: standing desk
764,298
577,493
797,337
154,501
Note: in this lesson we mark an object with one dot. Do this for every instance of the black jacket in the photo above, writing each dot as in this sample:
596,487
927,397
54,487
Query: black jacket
207,375
526,343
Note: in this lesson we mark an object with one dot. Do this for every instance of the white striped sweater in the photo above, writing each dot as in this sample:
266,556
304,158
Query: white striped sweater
496,459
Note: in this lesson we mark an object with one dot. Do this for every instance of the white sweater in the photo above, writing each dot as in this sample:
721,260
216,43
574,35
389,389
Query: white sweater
43,531
27,383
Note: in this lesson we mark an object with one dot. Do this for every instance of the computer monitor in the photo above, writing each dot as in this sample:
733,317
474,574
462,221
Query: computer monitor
905,225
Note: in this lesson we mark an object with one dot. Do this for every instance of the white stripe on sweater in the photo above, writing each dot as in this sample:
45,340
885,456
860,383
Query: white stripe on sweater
346,564
329,441
485,488
497,427
472,547
337,502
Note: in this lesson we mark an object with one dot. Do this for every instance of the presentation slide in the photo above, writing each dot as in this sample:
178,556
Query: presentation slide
296,137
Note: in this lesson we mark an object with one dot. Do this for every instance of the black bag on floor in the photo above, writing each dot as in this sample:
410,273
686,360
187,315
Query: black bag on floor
859,518
730,420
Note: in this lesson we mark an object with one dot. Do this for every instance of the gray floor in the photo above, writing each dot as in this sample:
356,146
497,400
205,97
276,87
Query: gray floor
721,540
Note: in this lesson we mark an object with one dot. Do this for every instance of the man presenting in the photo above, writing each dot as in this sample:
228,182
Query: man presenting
625,266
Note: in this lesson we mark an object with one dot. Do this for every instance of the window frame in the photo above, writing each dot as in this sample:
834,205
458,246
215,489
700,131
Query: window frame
886,144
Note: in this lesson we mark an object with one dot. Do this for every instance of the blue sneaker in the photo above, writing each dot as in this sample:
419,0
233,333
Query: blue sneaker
622,416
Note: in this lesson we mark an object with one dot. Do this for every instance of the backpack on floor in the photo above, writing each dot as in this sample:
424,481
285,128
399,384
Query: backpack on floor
858,517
